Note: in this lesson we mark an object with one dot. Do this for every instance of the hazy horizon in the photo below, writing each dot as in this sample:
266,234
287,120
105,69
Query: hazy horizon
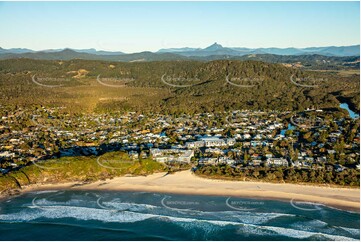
201,47
149,26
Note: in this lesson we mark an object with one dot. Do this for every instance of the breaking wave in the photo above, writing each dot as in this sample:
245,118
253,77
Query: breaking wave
245,223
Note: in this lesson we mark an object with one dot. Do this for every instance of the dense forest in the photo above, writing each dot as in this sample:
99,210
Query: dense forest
173,86
291,175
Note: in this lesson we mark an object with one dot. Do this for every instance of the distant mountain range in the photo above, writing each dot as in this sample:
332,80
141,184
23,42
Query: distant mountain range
89,51
330,55
217,49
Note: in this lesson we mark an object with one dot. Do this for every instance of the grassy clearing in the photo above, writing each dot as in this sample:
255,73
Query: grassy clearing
343,73
79,169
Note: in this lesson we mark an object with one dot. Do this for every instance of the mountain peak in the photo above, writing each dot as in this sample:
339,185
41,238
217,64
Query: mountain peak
68,50
215,46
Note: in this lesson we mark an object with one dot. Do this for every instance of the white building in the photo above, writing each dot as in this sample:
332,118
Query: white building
195,144
172,155
276,162
213,142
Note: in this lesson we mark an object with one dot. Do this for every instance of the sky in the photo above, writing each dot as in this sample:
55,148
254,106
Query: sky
150,26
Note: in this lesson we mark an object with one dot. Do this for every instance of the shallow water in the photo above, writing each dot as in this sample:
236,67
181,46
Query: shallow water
350,112
94,215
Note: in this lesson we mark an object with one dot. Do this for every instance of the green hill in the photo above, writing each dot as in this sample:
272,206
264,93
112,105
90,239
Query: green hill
174,86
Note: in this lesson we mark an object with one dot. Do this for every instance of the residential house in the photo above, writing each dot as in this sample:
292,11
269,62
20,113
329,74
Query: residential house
273,162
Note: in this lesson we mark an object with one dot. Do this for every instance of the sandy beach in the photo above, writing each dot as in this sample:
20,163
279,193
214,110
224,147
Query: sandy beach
185,182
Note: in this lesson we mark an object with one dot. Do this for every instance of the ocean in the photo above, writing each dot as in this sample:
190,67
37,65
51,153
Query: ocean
105,215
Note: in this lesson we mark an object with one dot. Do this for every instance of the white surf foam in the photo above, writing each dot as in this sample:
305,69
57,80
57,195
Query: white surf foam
80,213
43,192
85,213
248,221
289,232
116,204
352,231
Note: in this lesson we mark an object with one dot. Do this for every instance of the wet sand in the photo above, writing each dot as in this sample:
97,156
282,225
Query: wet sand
185,182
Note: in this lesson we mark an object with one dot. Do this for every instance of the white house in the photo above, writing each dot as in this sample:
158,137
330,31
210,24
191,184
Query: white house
213,142
276,162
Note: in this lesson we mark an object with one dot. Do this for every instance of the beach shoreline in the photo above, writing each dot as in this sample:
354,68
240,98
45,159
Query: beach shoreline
185,182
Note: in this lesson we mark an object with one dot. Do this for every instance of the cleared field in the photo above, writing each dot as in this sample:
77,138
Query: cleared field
343,73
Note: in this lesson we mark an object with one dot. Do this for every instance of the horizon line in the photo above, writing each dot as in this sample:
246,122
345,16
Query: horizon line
126,52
